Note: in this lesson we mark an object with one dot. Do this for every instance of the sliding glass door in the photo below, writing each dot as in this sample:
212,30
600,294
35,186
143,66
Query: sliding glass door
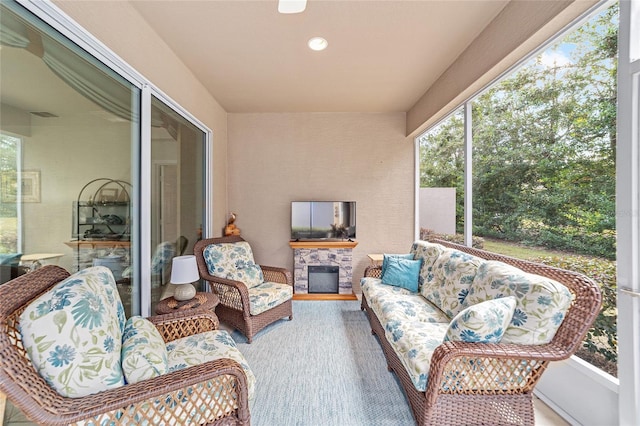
177,192
70,132
97,166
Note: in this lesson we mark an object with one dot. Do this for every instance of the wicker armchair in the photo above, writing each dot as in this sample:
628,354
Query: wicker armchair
218,388
499,378
235,302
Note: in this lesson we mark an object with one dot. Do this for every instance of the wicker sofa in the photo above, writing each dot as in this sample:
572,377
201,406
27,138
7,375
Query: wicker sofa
68,356
457,364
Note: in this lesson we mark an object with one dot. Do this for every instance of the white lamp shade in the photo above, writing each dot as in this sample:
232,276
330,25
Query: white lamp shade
184,270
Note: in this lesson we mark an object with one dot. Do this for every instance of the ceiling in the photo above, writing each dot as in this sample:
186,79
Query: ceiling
382,55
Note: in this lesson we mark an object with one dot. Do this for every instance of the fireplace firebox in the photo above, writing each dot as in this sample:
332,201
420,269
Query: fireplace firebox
323,279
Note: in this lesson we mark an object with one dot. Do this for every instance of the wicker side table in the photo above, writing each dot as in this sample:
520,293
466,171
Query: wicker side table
202,300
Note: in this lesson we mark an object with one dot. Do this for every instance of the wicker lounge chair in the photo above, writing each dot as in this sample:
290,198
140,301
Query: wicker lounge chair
218,388
499,378
236,298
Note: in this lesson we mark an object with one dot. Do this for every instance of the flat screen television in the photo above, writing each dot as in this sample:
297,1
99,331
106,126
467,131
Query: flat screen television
323,220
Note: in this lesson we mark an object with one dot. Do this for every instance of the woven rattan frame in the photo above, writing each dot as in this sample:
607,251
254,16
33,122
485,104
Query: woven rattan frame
217,389
503,375
234,296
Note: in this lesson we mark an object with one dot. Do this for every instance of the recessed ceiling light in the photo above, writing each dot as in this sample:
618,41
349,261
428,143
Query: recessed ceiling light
317,43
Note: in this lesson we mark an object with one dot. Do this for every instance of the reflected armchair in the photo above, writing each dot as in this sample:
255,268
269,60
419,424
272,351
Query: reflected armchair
251,296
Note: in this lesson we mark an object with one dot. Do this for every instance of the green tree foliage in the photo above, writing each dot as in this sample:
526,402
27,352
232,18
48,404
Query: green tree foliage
544,147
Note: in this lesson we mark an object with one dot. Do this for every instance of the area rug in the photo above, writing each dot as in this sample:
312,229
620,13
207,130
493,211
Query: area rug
322,368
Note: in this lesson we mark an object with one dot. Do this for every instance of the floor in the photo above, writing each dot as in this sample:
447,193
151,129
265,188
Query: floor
544,416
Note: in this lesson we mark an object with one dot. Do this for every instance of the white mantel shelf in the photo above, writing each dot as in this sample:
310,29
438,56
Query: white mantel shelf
323,244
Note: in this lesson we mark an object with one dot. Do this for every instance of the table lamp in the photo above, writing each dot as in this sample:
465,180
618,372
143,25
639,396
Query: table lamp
184,271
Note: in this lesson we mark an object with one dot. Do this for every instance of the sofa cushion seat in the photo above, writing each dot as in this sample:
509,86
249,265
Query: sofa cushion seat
414,342
541,302
268,295
375,292
204,347
453,273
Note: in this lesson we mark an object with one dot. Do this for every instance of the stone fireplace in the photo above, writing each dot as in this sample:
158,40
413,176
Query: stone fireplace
323,257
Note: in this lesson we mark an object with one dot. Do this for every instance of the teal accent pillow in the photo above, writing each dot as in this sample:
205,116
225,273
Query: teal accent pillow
144,354
385,259
402,272
484,322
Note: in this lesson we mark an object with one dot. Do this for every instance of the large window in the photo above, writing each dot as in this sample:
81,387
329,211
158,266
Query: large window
81,163
10,192
544,172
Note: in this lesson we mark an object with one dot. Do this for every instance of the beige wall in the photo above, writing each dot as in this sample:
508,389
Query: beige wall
119,26
278,158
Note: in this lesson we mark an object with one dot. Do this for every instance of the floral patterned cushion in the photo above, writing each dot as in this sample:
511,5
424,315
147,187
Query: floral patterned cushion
453,273
428,252
73,333
389,305
414,343
204,347
484,322
233,261
375,292
268,295
541,302
144,355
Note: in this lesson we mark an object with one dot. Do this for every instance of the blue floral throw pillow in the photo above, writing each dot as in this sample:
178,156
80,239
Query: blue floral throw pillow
233,261
72,333
401,272
144,354
485,322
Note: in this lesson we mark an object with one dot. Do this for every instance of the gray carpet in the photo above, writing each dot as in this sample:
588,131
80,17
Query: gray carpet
322,368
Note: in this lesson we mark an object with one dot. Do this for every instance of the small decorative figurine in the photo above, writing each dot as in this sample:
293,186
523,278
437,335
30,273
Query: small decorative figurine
231,229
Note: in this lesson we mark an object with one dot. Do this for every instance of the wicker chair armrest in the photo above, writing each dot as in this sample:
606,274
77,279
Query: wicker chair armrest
121,404
277,275
373,271
182,324
233,294
474,368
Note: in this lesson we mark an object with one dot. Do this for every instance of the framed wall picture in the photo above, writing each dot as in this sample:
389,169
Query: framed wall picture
29,182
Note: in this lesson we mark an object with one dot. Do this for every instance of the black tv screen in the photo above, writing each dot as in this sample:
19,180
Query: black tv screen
323,220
